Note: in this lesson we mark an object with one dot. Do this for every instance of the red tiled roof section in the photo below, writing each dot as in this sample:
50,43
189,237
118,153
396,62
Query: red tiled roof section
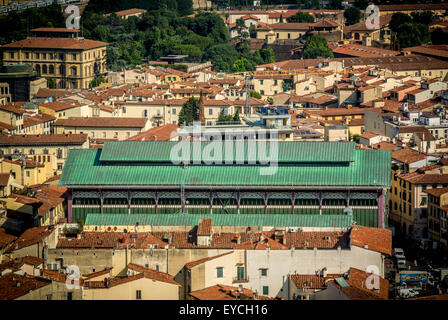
14,286
97,274
195,263
153,274
436,192
30,237
205,227
358,279
56,43
162,133
112,122
5,239
62,30
375,239
318,239
310,281
222,292
42,139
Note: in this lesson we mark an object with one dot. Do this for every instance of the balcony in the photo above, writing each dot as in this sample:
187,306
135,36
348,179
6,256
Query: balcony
244,279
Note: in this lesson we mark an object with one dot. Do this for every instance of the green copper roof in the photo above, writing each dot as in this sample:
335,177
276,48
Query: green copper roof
368,168
160,151
276,220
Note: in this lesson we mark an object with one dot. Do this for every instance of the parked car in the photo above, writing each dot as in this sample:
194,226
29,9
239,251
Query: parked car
401,264
398,253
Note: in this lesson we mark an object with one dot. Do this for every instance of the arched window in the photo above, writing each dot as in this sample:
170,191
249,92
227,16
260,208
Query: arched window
73,70
37,68
62,69
51,69
44,69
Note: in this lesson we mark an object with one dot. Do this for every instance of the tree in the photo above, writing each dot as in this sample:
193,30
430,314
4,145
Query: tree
422,17
412,34
189,112
301,17
236,117
335,5
51,84
361,4
223,118
270,100
253,31
242,65
398,19
268,55
352,15
255,94
315,47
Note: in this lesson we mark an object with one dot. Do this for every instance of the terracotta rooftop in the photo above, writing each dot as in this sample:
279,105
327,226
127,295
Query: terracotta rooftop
30,237
56,43
153,274
4,179
358,279
162,133
222,292
205,227
436,192
42,139
5,238
311,281
375,239
15,286
192,264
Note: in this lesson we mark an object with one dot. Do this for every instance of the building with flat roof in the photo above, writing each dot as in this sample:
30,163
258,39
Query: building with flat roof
318,178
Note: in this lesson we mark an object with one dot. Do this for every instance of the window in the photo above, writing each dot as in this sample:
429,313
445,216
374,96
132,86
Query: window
289,36
51,69
45,151
145,113
115,134
264,272
44,56
27,174
74,56
240,273
124,109
11,55
69,295
261,82
210,111
60,166
219,272
265,290
49,297
138,294
128,134
262,92
27,55
174,110
104,134
59,151
31,151
275,82
36,55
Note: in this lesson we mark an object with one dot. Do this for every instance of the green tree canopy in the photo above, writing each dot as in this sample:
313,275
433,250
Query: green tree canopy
412,34
189,112
301,17
352,15
315,47
255,94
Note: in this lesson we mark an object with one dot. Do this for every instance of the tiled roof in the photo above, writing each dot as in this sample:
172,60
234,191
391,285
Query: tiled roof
358,279
57,105
222,292
102,122
113,239
36,119
161,133
290,26
42,139
54,93
129,11
205,227
14,286
436,192
5,239
13,107
56,43
407,155
97,274
375,239
336,111
317,239
192,264
311,281
30,237
153,274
